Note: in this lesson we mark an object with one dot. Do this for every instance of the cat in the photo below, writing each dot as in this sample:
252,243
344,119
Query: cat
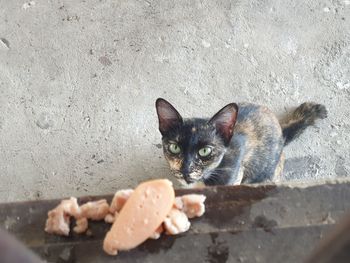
241,144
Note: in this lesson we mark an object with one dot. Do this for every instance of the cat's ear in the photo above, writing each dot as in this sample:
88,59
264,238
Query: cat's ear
224,121
168,116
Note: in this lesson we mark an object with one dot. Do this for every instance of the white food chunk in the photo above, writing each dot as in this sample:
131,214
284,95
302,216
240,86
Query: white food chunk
176,222
119,200
193,205
81,225
96,210
59,218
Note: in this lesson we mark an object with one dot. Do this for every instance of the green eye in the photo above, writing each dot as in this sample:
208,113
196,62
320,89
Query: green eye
174,148
205,151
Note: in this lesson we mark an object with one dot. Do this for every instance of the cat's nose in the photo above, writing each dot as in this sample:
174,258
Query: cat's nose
188,179
186,171
186,176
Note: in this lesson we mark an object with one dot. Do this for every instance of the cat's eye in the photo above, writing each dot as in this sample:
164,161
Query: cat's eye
205,151
174,148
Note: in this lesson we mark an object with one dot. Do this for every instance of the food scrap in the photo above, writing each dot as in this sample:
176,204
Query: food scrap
119,200
136,215
82,225
96,210
176,222
59,218
141,215
192,205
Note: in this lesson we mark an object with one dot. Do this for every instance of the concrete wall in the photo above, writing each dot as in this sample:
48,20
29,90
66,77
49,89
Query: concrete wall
78,82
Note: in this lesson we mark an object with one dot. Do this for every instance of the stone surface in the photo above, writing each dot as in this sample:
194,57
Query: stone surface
78,82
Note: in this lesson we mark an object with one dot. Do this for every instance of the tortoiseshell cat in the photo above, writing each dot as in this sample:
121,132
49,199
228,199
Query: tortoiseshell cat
242,143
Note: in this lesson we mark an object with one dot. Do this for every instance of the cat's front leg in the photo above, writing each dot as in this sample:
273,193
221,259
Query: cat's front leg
184,184
239,177
198,184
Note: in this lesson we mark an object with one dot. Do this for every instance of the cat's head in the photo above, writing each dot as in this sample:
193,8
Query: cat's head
195,147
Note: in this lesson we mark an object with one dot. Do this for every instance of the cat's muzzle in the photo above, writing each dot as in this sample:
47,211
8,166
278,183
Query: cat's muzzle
188,179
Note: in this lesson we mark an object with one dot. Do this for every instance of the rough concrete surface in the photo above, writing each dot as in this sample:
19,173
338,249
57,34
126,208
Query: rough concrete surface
78,82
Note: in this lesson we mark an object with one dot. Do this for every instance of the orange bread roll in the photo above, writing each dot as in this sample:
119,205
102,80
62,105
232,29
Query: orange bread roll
142,214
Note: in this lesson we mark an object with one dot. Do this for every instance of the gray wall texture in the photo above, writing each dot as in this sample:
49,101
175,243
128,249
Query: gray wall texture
78,82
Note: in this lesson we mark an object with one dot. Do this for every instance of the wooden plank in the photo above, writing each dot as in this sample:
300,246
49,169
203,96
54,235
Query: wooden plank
242,217
281,245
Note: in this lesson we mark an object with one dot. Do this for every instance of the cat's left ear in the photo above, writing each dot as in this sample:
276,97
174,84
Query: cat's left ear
168,116
224,121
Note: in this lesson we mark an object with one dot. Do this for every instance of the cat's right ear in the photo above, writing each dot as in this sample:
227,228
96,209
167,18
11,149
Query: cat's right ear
168,116
225,120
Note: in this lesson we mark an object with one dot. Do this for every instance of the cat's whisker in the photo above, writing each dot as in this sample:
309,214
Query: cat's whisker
222,169
215,177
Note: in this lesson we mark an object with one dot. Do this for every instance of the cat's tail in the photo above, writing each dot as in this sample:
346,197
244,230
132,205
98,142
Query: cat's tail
301,118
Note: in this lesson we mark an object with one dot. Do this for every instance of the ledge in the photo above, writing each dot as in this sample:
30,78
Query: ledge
265,223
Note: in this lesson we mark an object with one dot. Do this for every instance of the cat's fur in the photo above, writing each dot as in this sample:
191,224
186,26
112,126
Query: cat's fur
247,142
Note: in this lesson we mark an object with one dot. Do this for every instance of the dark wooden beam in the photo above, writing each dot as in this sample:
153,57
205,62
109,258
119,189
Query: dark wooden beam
241,224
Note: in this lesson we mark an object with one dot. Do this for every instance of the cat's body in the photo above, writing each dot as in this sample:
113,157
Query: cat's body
240,144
